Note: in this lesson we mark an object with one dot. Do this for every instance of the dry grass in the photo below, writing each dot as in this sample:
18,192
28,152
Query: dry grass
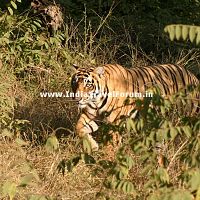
82,183
78,184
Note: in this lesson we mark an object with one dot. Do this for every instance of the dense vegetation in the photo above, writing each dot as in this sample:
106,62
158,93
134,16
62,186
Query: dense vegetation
41,156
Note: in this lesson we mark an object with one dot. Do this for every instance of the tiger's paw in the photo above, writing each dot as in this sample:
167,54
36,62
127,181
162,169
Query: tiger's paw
93,143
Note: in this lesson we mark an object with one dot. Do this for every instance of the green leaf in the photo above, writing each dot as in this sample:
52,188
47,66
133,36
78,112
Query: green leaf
124,171
173,132
128,124
120,185
19,47
10,10
162,109
198,36
19,1
39,197
26,180
52,143
133,125
46,45
166,29
7,133
187,130
181,195
185,32
163,175
171,32
192,33
198,194
129,162
21,142
159,135
195,181
34,28
52,40
141,123
37,24
128,187
87,145
124,187
13,4
10,189
88,159
178,30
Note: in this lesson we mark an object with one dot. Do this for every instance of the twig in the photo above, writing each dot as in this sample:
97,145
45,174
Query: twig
176,154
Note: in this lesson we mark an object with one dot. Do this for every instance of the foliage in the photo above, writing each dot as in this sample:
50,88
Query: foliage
159,123
13,5
7,102
26,43
28,178
143,20
179,31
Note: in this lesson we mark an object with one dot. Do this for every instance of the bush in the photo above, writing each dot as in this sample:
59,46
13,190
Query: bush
162,142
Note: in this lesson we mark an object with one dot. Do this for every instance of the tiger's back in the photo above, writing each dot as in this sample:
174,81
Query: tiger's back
168,78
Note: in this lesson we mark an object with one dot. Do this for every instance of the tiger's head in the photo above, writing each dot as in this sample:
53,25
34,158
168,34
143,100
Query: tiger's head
87,85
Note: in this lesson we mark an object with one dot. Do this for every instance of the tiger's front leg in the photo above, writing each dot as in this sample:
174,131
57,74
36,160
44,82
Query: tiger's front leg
84,127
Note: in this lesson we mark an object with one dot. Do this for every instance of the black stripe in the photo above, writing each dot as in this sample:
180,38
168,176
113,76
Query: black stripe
106,99
137,83
104,102
159,80
173,76
90,106
180,70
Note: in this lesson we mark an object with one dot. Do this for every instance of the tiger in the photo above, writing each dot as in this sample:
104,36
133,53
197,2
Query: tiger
92,81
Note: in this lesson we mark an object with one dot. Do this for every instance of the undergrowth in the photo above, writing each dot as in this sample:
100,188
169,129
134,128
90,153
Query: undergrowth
42,158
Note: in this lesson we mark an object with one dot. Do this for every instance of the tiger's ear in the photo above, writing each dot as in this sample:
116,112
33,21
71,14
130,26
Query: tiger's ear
99,70
75,66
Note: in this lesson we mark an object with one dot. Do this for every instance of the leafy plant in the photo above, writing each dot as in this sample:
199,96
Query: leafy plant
10,188
184,32
158,124
13,5
7,101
